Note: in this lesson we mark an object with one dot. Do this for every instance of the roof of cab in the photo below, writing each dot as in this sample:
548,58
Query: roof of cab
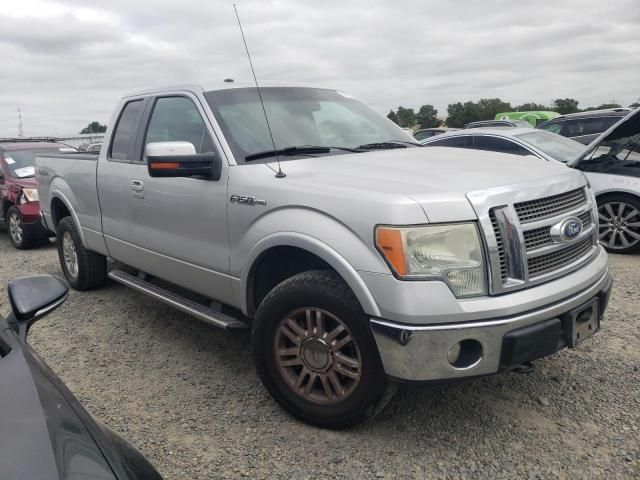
219,86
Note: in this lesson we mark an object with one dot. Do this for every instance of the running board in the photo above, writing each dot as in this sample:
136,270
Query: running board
217,319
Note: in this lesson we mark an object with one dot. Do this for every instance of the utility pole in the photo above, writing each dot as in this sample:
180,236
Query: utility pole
20,130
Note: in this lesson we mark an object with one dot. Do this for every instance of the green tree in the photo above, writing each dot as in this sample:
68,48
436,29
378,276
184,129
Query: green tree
531,107
634,105
94,127
392,116
565,105
490,107
460,114
406,117
427,117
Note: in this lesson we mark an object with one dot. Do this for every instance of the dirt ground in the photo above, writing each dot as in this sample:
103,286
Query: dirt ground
186,395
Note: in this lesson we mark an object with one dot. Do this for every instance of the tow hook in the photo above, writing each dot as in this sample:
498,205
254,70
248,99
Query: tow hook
526,368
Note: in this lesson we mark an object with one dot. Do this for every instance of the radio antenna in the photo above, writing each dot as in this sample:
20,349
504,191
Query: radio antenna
279,173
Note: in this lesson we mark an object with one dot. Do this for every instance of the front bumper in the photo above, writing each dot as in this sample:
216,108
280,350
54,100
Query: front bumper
420,352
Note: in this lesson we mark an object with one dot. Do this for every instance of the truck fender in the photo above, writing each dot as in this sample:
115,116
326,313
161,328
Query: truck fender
321,250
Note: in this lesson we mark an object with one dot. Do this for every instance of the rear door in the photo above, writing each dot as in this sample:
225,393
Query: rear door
181,223
114,173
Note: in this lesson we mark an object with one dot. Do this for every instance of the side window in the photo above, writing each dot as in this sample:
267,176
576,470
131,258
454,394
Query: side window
552,127
494,144
177,119
458,142
125,132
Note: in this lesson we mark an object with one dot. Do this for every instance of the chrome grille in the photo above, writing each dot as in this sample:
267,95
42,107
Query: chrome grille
539,237
501,253
550,206
558,259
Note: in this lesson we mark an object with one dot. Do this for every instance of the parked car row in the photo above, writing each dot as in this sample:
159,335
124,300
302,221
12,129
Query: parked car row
612,165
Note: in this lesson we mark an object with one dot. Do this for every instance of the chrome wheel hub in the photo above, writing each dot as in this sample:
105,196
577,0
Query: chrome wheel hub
69,254
317,356
15,227
619,225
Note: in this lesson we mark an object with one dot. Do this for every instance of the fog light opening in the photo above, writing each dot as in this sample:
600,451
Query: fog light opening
465,354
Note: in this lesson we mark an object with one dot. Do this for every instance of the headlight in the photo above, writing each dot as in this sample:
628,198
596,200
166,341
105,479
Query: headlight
452,253
31,194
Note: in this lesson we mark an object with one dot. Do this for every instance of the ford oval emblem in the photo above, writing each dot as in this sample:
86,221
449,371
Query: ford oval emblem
570,229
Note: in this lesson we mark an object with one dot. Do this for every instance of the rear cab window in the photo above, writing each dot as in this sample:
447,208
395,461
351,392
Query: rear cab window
126,131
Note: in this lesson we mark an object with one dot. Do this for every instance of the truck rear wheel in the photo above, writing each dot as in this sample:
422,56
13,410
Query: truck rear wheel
315,353
82,268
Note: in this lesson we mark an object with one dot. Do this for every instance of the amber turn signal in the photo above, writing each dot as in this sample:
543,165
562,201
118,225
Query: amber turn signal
390,244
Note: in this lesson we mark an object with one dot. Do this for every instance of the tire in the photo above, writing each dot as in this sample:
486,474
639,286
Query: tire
90,269
17,236
333,400
619,218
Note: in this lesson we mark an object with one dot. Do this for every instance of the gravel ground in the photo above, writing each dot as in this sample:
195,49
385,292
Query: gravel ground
186,395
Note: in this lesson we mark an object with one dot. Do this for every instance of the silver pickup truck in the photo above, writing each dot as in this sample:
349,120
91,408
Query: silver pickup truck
356,257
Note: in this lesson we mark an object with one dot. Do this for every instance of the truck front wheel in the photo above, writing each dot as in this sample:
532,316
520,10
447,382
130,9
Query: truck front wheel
82,268
315,353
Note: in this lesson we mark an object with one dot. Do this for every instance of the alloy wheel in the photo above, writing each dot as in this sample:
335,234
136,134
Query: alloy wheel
15,228
317,356
70,255
619,225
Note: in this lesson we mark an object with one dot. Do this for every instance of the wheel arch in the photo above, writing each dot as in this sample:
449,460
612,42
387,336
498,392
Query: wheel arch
312,253
60,208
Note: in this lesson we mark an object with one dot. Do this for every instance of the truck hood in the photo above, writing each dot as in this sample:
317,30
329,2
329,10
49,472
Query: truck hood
435,177
627,127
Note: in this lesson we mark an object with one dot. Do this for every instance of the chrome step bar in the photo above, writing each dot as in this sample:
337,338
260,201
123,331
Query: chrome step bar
201,312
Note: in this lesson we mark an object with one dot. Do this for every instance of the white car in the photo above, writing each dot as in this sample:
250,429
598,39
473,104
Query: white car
611,163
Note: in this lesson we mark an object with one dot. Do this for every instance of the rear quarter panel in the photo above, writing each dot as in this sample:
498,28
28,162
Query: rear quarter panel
71,178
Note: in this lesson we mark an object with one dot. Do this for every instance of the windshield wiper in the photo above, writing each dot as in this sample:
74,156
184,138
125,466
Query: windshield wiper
389,144
302,150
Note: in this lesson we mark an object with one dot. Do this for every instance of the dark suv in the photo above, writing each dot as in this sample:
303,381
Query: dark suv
585,127
19,205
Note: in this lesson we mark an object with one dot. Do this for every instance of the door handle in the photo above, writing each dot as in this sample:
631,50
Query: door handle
137,188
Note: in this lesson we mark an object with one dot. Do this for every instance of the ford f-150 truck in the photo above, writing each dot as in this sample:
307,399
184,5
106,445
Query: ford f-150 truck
356,257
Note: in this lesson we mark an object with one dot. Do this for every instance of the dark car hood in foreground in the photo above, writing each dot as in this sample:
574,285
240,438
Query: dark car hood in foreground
44,431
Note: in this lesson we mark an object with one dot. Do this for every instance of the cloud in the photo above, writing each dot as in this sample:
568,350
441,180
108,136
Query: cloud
67,62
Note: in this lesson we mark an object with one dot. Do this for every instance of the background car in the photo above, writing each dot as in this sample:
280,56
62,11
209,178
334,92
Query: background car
19,202
44,431
534,118
94,147
585,127
612,165
431,132
497,123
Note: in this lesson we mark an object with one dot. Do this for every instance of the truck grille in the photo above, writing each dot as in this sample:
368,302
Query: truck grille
539,237
531,255
558,259
550,206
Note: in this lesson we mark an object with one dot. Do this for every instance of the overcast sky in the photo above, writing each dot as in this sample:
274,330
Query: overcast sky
67,62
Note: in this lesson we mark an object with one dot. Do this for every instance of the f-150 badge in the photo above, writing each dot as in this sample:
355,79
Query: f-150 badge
246,200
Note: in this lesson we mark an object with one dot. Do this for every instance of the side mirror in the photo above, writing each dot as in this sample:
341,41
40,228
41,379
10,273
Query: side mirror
33,297
179,159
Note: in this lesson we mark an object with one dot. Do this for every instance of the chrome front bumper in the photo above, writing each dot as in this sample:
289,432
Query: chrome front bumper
420,352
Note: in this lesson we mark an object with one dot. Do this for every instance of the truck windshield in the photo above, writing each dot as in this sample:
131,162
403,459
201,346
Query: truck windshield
299,117
557,147
20,162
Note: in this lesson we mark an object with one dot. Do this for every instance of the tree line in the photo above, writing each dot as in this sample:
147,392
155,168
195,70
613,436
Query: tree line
460,113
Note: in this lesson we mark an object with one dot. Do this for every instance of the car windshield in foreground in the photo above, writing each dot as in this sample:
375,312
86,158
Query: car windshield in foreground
316,121
555,146
20,162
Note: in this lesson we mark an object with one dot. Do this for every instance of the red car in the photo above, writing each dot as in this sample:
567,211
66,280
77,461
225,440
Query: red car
19,206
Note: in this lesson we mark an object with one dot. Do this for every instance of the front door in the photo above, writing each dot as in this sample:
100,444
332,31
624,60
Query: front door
181,223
